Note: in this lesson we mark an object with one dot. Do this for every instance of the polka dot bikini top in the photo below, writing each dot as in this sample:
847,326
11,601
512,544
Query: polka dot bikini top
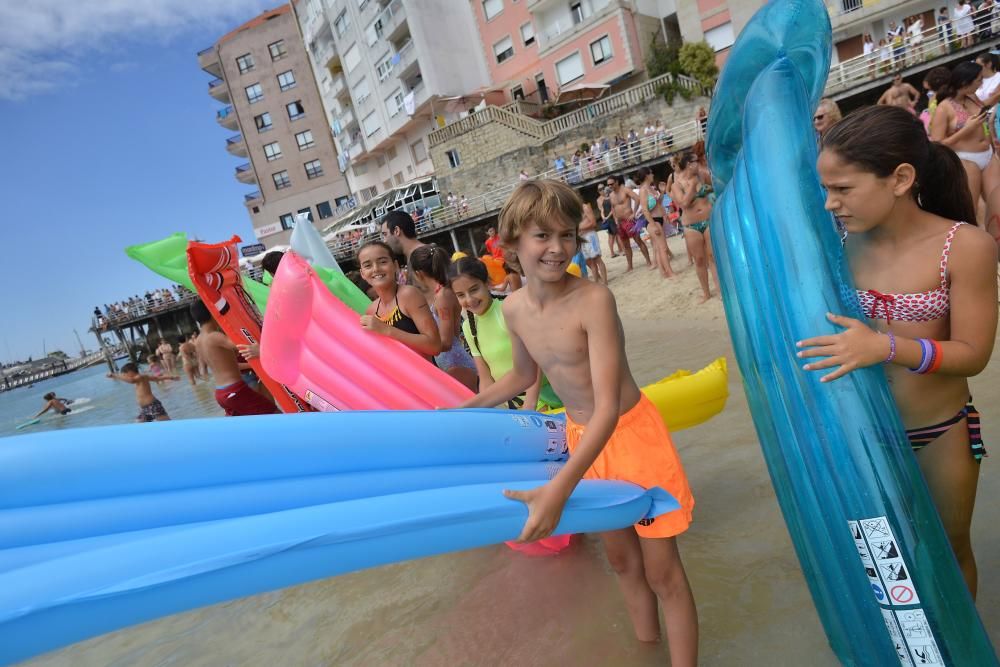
918,307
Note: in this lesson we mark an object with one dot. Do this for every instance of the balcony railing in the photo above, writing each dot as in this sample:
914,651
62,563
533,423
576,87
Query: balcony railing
253,196
224,112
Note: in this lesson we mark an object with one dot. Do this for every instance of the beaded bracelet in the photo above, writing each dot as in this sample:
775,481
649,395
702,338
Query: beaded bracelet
892,348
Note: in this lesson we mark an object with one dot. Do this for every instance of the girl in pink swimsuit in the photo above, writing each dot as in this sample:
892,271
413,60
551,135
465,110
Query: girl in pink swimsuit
927,286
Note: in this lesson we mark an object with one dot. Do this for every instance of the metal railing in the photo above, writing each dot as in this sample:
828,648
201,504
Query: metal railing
235,139
387,14
616,158
223,112
253,196
935,42
140,309
245,167
547,130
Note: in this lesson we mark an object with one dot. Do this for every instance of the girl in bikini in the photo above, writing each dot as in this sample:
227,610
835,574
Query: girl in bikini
960,122
652,210
429,264
927,284
695,197
399,311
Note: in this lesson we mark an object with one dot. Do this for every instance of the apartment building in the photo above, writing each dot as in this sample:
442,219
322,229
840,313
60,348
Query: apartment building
265,80
386,70
536,49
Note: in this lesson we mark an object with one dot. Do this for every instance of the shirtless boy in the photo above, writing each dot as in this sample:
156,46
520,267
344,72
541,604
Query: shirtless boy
150,408
54,403
231,392
570,329
166,353
621,209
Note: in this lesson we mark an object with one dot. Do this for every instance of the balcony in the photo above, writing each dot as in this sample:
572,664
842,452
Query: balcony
236,146
405,62
226,117
208,60
347,119
845,13
219,91
340,90
253,198
244,174
393,20
560,24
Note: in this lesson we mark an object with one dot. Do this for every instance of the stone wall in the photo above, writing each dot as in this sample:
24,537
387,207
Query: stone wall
493,155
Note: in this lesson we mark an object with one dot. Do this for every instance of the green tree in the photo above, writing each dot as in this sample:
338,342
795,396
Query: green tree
665,59
59,354
697,60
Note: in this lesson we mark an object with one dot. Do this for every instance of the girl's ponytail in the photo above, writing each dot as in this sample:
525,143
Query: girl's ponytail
942,186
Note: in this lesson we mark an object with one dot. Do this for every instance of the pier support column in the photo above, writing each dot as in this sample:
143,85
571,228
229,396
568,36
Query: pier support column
472,243
454,240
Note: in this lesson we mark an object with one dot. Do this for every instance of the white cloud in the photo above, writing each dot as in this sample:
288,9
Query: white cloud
42,42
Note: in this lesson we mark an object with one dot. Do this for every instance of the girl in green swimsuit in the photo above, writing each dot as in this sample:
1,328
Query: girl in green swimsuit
486,333
696,199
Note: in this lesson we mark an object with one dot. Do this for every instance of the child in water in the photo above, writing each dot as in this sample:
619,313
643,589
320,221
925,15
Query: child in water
570,329
54,403
926,278
486,331
150,408
429,264
399,311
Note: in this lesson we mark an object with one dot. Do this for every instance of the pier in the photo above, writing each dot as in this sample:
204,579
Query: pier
20,376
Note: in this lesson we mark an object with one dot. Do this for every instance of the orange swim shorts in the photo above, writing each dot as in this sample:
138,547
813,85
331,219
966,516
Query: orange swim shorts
641,451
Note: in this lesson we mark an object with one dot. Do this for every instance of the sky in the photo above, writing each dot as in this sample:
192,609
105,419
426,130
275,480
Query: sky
111,140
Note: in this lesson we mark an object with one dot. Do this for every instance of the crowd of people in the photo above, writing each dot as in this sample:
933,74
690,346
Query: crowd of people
138,306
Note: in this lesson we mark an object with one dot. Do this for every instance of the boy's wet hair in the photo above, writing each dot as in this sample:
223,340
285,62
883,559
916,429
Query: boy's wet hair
130,368
49,396
271,261
550,204
200,312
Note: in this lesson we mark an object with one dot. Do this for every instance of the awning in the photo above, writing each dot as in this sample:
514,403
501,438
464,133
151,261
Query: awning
494,94
581,92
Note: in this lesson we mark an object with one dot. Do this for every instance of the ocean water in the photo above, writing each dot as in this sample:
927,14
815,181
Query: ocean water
106,402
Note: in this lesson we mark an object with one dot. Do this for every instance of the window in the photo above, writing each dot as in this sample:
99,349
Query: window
569,69
380,161
309,214
254,93
601,50
369,193
277,49
387,184
720,37
419,150
286,80
287,221
359,168
453,160
370,124
384,67
342,23
492,7
351,59
503,49
323,210
397,178
394,103
576,10
374,32
272,151
528,33
281,180
305,140
362,91
391,153
517,93
295,110
245,63
263,122
313,169
255,209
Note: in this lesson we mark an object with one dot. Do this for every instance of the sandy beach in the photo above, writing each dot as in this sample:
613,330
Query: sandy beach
494,607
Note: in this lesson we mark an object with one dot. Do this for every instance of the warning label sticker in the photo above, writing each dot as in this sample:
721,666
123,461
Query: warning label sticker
521,421
902,650
917,633
891,569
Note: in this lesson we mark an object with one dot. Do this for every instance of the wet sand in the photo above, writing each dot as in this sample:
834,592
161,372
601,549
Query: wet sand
492,606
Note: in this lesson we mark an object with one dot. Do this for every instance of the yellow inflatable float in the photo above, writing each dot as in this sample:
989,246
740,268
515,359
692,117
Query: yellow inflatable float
686,399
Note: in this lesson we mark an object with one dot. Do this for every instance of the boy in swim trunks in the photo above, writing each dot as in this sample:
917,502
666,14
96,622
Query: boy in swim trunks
54,403
569,327
150,408
232,393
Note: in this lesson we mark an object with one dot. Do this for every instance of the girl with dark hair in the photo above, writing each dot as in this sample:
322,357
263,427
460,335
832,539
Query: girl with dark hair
695,196
926,282
399,311
429,264
652,209
960,123
486,332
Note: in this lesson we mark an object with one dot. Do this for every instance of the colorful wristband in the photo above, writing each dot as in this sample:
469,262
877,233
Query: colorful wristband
938,357
925,356
892,348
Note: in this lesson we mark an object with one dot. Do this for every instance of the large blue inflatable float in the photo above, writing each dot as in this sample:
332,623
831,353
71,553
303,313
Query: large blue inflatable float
103,528
881,572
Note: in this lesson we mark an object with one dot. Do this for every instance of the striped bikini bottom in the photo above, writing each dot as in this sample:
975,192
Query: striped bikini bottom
921,437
